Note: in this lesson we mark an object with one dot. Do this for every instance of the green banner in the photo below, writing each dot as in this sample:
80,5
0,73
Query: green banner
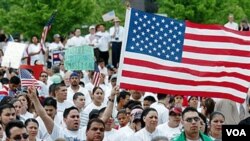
79,58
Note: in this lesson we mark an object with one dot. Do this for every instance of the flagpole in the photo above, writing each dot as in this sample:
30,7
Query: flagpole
125,37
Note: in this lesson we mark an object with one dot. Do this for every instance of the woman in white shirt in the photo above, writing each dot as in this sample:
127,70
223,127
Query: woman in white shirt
32,125
149,122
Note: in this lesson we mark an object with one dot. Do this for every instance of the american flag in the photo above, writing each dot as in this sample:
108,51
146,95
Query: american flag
47,28
96,76
164,55
27,79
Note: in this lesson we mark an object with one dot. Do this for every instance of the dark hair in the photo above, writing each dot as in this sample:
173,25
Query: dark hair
213,114
101,111
50,101
188,109
77,94
27,121
43,72
5,81
131,104
145,113
96,88
160,138
12,124
161,96
15,80
6,106
52,89
97,120
82,84
150,99
67,110
122,95
5,100
29,103
122,111
209,105
55,69
205,122
59,85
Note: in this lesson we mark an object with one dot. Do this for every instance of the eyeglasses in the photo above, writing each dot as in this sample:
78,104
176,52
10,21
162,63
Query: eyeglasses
196,119
20,137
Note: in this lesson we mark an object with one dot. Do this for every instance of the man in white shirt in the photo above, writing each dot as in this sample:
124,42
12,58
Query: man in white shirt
70,117
75,87
231,24
161,108
76,40
116,33
91,39
36,51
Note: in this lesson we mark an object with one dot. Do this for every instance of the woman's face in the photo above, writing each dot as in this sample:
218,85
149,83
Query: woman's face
23,101
178,100
32,129
216,123
98,96
151,119
18,106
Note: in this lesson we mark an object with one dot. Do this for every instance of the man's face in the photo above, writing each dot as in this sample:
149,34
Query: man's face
80,102
78,32
62,93
95,132
18,134
72,121
74,80
8,115
51,111
191,123
44,77
13,86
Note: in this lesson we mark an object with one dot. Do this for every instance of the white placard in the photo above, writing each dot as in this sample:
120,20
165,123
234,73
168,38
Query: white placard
13,55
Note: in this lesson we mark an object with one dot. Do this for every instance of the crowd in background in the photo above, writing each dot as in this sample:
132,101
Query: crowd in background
68,106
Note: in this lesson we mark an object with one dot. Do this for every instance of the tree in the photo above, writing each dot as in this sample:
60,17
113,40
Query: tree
29,16
205,11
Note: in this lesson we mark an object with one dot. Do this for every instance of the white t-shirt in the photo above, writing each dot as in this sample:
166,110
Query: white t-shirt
103,41
125,132
162,111
87,110
70,94
169,132
110,135
42,132
232,25
32,48
68,135
144,135
62,106
76,41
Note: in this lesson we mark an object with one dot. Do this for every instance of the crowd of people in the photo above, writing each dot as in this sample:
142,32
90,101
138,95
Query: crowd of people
68,106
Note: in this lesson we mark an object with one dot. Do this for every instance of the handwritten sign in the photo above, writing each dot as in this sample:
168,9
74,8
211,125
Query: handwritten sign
13,55
79,58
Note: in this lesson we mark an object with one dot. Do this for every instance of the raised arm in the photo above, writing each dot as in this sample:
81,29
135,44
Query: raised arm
109,109
48,122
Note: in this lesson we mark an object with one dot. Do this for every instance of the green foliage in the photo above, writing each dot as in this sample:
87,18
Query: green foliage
205,11
29,16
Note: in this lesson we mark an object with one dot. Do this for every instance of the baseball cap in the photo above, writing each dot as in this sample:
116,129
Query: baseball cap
92,27
74,74
93,114
136,114
114,76
176,110
56,36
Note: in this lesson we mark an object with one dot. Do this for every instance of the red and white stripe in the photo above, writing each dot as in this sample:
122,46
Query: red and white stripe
215,63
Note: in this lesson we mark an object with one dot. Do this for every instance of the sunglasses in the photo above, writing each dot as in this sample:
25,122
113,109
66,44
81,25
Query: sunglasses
196,119
20,137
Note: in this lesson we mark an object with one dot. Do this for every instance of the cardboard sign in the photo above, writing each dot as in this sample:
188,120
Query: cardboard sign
79,58
13,55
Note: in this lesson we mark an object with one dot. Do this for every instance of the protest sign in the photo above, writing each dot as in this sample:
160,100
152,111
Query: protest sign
79,58
13,55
